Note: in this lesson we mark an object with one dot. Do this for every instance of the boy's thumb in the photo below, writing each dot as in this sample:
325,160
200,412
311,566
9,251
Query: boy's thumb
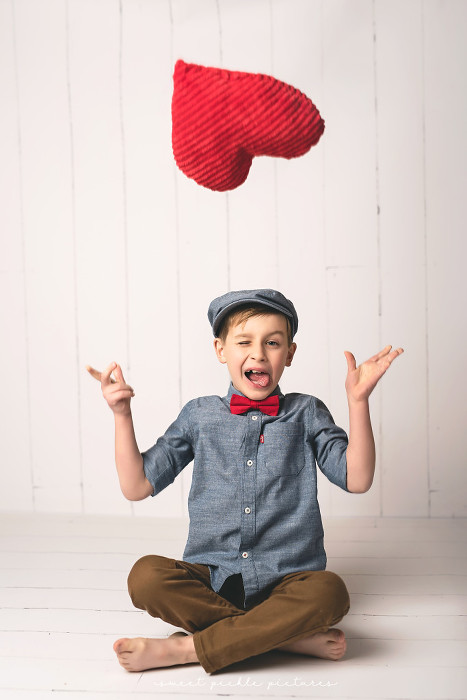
118,374
351,361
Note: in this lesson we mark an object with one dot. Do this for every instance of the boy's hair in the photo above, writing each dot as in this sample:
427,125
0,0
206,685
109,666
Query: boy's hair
241,314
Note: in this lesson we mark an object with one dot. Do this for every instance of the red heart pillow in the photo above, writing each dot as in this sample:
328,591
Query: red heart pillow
221,119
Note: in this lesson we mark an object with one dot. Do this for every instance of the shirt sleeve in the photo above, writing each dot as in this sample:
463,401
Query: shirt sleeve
329,444
171,453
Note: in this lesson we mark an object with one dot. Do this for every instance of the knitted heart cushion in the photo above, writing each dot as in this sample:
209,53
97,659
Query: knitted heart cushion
221,119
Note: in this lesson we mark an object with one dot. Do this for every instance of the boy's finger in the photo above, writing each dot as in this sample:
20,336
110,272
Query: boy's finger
118,374
116,387
94,372
105,375
382,353
120,395
388,354
395,353
385,351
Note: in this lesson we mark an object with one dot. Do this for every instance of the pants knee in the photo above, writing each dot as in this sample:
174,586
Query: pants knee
324,591
335,591
146,579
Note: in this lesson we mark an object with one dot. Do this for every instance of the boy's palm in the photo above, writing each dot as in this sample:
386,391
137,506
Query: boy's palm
116,392
362,380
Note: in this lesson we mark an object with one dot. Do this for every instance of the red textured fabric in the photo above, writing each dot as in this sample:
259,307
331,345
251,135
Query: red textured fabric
221,119
242,404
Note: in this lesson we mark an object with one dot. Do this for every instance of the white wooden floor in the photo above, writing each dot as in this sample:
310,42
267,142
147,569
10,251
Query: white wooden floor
63,602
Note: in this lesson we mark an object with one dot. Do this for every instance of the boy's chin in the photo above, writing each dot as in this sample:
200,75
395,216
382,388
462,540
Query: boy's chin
256,393
256,396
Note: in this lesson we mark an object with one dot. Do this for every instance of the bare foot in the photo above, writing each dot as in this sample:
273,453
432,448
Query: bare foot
324,645
140,654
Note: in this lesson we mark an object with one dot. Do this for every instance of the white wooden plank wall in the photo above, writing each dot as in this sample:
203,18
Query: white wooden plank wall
109,252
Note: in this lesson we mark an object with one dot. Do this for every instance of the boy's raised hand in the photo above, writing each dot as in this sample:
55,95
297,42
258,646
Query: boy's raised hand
362,380
117,392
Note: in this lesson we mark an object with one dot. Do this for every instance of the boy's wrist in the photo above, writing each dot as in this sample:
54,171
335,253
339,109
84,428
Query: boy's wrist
360,402
123,417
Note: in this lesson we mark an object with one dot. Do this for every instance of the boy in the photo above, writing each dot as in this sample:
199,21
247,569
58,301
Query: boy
253,573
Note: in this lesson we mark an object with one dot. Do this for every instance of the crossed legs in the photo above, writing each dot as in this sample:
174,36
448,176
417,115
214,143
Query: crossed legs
296,617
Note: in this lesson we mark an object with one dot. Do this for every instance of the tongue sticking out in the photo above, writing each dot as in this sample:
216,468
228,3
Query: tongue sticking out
259,378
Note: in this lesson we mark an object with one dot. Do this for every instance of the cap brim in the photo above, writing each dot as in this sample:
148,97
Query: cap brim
253,300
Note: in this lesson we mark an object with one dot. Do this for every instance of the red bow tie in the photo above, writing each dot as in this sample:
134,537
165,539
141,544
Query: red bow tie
241,404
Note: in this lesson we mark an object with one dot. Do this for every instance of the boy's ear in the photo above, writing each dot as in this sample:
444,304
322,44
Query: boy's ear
219,348
290,354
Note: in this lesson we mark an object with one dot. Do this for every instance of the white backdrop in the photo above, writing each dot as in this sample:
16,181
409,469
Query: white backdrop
108,252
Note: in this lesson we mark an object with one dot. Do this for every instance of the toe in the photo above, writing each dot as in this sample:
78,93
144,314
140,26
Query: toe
120,645
338,638
337,634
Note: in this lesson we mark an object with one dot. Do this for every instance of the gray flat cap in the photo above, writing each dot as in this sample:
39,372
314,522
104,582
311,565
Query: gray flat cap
220,307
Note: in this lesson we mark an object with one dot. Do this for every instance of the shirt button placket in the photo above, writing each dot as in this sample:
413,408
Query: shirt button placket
248,503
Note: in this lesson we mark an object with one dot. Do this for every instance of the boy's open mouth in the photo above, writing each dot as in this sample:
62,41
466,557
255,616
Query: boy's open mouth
259,379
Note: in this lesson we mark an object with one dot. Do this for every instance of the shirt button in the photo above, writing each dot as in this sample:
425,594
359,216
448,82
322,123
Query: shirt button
247,511
245,555
250,463
254,417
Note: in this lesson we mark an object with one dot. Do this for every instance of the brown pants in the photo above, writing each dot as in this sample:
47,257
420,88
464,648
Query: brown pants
179,593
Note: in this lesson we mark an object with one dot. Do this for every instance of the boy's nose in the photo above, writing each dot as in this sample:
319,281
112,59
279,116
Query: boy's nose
257,352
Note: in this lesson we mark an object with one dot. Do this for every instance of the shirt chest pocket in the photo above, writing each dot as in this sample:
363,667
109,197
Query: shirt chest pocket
284,451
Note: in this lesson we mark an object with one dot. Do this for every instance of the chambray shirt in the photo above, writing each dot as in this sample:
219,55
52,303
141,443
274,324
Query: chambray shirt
253,500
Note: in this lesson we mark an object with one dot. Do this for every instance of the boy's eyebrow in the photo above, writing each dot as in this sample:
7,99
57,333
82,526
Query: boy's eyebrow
249,335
